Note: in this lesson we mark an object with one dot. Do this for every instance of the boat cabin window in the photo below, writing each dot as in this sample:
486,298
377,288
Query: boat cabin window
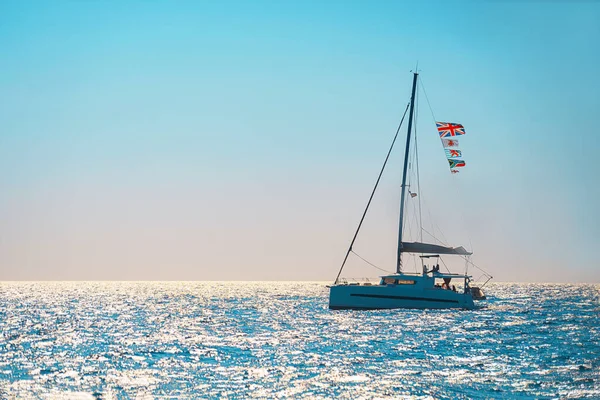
392,281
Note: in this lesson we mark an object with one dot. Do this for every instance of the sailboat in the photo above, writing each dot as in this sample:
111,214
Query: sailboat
429,288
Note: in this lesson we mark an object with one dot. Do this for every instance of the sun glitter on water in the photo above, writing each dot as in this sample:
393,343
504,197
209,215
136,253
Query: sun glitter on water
279,339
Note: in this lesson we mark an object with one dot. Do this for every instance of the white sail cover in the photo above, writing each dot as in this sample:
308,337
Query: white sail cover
416,247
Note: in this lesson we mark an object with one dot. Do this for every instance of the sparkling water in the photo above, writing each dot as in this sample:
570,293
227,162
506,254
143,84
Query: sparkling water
103,340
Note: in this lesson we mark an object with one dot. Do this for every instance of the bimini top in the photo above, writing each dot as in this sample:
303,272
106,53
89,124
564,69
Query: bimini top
416,247
419,276
449,275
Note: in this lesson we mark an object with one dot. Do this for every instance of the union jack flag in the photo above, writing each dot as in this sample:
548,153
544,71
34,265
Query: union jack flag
450,142
453,153
456,163
447,129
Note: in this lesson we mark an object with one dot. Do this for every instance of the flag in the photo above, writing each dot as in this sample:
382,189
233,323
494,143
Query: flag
453,153
454,171
447,129
456,163
450,143
412,194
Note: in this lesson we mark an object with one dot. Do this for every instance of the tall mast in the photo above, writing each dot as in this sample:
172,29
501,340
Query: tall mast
410,120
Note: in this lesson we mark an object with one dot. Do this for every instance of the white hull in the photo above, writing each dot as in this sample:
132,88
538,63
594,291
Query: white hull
396,296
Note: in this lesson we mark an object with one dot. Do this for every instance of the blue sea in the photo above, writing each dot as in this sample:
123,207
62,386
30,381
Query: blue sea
183,340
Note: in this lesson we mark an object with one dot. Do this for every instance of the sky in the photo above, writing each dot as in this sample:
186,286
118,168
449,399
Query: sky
237,140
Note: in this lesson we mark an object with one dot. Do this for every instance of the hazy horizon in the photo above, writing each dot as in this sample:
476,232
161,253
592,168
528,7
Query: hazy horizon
325,282
240,141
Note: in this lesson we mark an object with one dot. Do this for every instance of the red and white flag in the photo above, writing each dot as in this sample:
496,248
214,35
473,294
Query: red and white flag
450,143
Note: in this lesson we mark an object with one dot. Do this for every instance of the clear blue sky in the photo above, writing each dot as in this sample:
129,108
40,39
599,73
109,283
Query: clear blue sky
239,140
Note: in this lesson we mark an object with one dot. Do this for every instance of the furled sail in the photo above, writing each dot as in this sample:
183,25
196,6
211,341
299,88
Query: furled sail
416,247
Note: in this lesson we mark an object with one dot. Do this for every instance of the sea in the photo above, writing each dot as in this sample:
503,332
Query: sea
273,340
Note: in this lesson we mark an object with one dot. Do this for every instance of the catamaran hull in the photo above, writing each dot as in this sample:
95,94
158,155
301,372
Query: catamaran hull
354,297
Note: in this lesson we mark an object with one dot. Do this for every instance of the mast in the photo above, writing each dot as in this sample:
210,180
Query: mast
410,120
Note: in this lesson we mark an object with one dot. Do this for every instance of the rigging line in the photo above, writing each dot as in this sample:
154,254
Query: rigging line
459,194
463,257
418,178
408,221
372,194
409,204
434,226
475,265
370,263
411,167
468,260
427,98
441,233
442,260
456,188
414,173
419,192
412,220
430,220
480,269
430,108
409,181
433,236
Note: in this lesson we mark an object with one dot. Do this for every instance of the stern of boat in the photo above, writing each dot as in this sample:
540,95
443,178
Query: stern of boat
477,293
